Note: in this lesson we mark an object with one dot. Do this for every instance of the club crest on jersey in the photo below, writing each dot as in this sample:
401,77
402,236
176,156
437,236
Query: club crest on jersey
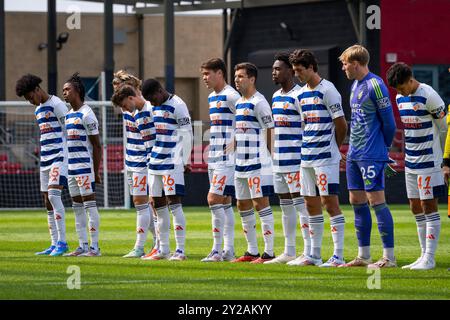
246,112
285,106
218,104
47,115
77,121
316,100
145,120
416,107
166,115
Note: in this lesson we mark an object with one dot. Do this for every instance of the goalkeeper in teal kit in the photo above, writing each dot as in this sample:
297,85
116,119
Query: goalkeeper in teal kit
371,134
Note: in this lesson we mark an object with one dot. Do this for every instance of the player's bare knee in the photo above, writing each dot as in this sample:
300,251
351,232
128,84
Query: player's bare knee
376,197
284,196
214,199
429,206
261,203
357,197
47,203
244,205
139,200
173,200
160,202
415,206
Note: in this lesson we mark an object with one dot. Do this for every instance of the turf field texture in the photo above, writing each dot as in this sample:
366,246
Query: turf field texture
26,276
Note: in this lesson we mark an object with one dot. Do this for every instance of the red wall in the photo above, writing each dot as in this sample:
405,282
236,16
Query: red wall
417,30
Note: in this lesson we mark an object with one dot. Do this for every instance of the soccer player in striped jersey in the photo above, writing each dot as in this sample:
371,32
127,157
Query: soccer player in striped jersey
140,135
50,112
85,152
325,130
422,112
221,158
168,162
286,160
372,132
253,176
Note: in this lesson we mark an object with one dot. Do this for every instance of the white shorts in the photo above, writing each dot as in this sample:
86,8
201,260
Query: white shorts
424,186
166,185
138,183
221,181
56,175
323,181
82,185
253,187
286,182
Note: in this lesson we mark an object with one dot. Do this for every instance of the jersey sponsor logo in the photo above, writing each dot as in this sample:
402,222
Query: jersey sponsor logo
335,108
266,119
360,95
184,121
384,103
91,126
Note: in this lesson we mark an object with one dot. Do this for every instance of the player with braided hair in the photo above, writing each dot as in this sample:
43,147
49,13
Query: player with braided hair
84,158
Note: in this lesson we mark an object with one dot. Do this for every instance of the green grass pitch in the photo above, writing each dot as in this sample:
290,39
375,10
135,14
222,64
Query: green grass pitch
25,276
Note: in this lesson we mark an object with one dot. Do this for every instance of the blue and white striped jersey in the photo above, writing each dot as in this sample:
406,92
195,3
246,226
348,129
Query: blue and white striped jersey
222,111
252,117
418,112
50,118
288,130
135,151
79,125
320,106
146,127
169,118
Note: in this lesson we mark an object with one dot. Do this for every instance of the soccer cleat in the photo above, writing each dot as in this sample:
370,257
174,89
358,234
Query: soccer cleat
334,261
310,261
92,252
247,257
281,259
60,249
178,256
135,253
424,264
265,257
213,256
409,266
158,256
46,252
151,253
78,251
297,261
383,263
228,255
357,262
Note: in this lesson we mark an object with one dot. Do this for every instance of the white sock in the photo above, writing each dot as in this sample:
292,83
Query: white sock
289,221
337,224
228,231
94,222
433,232
142,224
217,221
164,228
249,226
421,231
155,231
267,226
52,227
179,225
316,232
80,224
54,196
300,207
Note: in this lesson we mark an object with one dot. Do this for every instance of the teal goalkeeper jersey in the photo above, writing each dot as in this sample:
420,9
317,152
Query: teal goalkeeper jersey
372,126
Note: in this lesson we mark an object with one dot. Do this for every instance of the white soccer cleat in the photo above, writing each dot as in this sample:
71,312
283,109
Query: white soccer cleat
281,259
228,255
178,256
334,261
297,261
409,266
308,261
424,264
213,256
157,256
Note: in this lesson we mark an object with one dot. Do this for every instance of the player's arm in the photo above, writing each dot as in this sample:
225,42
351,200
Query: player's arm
333,102
185,127
380,96
264,116
60,112
91,125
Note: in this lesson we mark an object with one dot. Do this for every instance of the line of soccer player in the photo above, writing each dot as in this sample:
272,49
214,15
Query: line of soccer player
308,128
